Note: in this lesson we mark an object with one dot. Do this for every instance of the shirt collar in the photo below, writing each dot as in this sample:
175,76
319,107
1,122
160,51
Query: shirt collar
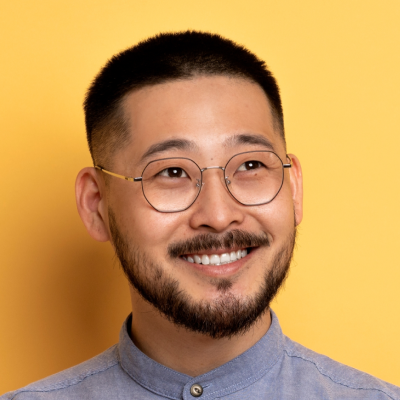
236,374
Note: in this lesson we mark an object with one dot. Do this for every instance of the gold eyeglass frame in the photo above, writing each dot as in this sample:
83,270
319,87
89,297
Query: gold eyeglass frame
140,178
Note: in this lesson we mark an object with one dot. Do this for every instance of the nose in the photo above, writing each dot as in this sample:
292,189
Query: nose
215,210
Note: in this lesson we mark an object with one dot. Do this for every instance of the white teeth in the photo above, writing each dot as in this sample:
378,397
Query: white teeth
225,258
215,259
205,260
197,259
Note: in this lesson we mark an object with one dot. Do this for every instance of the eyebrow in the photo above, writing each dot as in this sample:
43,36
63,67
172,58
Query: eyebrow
165,145
249,138
186,145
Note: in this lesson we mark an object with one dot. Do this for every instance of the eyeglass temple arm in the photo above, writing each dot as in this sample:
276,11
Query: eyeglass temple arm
288,165
127,178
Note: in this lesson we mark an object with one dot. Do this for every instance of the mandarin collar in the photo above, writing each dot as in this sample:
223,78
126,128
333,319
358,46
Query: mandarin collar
235,375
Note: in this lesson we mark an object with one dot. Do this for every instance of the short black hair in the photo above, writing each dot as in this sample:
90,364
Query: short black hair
162,58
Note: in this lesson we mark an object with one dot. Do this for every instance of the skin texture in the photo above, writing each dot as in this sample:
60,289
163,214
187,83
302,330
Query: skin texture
209,111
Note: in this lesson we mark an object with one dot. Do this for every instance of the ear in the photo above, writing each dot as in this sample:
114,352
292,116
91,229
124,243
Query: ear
296,184
91,203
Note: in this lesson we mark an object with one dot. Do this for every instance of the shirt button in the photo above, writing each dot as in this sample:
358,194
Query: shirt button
196,390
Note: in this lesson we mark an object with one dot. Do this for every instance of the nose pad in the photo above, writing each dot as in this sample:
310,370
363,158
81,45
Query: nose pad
224,180
216,209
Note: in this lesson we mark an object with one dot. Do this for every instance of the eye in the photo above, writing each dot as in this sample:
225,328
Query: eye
173,172
249,165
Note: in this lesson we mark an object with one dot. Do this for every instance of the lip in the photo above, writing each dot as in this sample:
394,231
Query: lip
223,270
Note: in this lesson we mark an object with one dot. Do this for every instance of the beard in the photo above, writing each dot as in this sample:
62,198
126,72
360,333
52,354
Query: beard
226,316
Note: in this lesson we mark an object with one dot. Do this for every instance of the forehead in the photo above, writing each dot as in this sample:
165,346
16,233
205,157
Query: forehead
209,112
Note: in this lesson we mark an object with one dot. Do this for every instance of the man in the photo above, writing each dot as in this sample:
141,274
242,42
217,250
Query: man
194,188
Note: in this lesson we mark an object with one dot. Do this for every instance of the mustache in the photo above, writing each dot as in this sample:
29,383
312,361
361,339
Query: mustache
214,241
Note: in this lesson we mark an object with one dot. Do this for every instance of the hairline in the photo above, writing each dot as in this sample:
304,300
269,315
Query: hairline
119,119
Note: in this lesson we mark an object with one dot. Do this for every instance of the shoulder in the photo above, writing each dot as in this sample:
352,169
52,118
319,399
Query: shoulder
52,386
324,372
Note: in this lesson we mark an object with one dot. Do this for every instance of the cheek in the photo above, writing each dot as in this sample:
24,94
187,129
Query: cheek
277,217
143,225
151,228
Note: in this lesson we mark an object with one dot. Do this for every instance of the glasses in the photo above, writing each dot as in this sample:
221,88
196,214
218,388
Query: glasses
170,185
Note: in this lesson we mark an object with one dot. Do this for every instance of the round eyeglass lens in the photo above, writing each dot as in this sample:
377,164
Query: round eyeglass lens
171,184
254,177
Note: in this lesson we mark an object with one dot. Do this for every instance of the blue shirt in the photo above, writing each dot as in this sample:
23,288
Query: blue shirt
274,368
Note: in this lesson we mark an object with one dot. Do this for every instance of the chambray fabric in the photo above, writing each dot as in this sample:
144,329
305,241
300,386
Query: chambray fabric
274,368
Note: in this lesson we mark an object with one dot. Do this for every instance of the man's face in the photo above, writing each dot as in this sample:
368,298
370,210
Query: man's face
219,117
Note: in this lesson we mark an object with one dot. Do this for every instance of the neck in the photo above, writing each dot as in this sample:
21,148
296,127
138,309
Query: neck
187,352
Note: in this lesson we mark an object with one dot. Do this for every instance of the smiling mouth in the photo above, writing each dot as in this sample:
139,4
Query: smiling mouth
217,259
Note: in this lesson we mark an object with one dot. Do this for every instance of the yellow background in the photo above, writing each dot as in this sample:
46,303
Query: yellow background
62,295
